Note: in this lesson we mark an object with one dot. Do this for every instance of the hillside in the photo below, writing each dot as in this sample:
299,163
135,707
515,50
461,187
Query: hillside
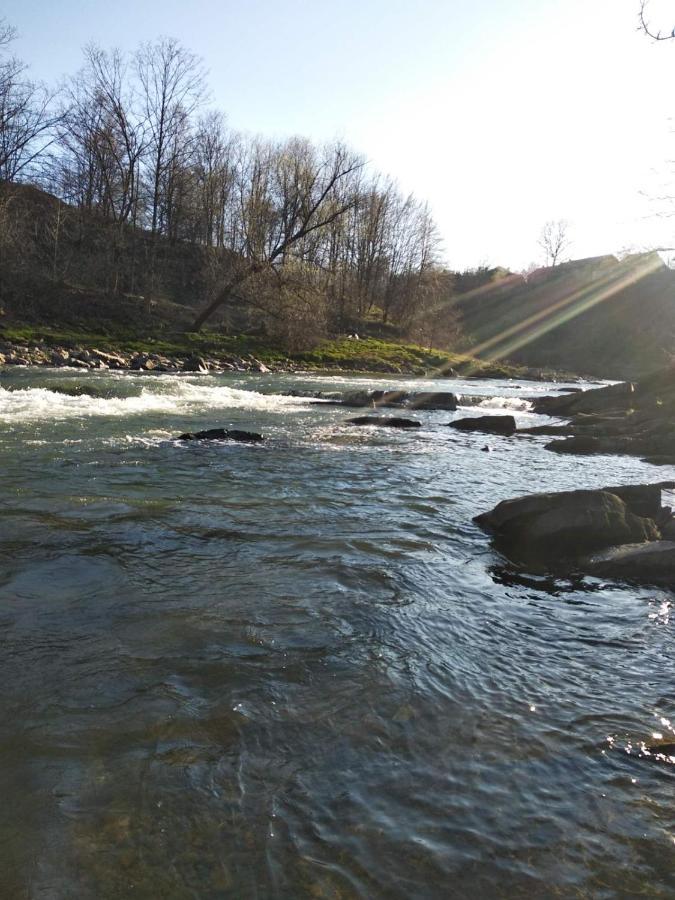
598,316
70,269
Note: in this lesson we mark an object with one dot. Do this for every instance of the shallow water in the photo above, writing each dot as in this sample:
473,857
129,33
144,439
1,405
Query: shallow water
298,669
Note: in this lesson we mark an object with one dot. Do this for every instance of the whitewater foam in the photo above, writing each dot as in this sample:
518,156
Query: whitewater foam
515,403
178,397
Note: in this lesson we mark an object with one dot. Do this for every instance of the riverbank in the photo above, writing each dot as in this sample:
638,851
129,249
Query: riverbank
213,352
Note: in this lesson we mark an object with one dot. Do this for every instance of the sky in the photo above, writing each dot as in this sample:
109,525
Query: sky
503,115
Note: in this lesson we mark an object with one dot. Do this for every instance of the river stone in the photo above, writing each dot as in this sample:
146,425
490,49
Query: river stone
652,563
195,364
384,422
558,526
491,424
222,434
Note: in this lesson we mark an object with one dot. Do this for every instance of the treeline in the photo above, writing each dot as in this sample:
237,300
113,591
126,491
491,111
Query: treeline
156,196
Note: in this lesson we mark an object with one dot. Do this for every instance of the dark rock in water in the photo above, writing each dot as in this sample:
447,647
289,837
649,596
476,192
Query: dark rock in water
662,748
486,449
592,444
424,400
195,364
560,430
614,396
81,390
661,459
490,424
559,527
222,434
632,419
384,422
652,563
365,398
429,400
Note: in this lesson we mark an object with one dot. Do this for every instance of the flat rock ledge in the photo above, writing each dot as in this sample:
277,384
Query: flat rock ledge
620,532
422,400
222,434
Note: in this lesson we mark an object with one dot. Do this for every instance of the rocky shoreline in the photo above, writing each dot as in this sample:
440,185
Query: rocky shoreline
77,357
203,357
621,532
634,419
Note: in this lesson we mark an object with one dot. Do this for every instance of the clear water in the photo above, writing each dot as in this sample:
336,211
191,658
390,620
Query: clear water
298,669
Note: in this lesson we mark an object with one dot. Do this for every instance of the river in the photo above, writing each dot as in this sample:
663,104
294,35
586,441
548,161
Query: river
298,669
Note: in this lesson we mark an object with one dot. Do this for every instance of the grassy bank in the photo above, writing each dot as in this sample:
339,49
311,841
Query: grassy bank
340,355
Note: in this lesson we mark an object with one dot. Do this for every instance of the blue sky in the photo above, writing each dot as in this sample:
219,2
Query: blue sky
502,114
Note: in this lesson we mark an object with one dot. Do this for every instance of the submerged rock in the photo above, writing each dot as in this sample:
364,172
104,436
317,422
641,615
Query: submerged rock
385,422
490,424
222,434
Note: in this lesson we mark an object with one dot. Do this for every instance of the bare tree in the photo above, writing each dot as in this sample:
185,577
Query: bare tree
25,117
654,33
173,87
554,240
286,194
214,159
102,139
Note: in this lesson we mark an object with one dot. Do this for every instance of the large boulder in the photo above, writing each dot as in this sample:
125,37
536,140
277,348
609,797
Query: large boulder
222,434
488,424
560,527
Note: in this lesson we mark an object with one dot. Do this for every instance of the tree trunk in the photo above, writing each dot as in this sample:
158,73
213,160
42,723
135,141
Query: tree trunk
223,296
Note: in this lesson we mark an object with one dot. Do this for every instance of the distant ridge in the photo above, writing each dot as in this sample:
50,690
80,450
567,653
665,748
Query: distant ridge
600,315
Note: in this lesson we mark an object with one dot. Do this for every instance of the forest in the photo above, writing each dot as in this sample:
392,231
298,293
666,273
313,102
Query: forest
124,182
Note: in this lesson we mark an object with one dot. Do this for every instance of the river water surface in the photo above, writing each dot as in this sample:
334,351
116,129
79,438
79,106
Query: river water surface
298,669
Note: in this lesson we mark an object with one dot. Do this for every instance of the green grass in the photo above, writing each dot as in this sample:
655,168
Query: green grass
367,355
375,355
